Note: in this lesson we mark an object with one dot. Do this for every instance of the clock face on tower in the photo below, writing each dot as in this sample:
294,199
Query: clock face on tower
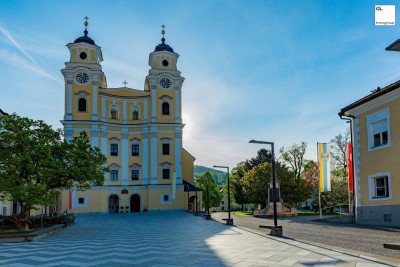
165,83
82,78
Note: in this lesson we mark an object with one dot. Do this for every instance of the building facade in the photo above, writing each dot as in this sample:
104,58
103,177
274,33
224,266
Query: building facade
140,132
5,205
376,146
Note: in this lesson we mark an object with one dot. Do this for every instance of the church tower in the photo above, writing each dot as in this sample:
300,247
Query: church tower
83,77
164,83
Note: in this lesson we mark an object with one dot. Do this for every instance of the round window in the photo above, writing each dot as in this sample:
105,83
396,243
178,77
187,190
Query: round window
165,62
83,55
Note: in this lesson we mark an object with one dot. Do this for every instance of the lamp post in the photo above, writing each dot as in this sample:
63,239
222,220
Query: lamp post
195,207
229,221
208,216
276,230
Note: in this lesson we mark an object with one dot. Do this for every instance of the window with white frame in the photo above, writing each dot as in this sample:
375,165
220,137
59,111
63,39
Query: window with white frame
82,100
165,142
379,186
165,199
135,172
135,113
165,105
82,201
114,146
114,112
135,146
166,170
378,127
114,172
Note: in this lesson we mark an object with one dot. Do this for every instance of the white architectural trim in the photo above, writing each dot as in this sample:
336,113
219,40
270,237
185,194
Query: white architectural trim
382,115
69,100
153,147
94,100
371,186
177,105
145,157
124,121
162,201
94,133
356,156
103,109
125,146
153,105
145,111
178,157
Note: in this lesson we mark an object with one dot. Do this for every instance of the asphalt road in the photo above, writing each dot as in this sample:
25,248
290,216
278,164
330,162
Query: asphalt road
342,235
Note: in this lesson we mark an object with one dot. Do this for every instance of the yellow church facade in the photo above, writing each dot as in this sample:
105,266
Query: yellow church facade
139,131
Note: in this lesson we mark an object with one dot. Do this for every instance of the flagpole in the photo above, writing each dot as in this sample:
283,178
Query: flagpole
319,184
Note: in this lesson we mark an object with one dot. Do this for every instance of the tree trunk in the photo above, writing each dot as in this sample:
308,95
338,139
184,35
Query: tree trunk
242,207
22,220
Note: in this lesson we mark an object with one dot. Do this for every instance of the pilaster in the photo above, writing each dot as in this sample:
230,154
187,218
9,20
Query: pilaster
145,157
69,100
124,136
94,100
154,175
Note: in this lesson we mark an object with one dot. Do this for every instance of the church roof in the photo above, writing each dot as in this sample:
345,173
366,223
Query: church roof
190,187
85,39
163,46
374,94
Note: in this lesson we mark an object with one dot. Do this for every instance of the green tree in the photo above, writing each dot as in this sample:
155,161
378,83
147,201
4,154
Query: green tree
256,183
338,194
215,195
294,158
36,163
263,155
236,181
293,191
339,154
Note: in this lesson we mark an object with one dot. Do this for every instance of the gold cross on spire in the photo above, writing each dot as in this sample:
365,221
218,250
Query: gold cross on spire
125,83
163,30
86,22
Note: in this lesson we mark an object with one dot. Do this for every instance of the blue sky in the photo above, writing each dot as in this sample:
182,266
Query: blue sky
266,70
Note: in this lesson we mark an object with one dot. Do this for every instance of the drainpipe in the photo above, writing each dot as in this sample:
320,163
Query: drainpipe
349,120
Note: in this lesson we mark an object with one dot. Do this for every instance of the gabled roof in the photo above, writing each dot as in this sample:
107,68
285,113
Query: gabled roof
189,187
375,94
2,112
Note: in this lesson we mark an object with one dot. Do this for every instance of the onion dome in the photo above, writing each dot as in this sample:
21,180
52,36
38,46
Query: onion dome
85,38
163,46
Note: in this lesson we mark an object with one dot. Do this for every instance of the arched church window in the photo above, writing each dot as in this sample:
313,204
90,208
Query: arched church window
82,104
165,108
113,114
135,114
82,101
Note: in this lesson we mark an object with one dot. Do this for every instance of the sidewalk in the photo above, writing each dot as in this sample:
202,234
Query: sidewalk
171,239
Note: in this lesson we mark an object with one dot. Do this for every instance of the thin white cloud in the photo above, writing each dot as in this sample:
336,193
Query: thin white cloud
8,35
17,60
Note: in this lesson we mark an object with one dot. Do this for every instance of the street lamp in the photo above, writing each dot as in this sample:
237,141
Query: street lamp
229,221
196,201
208,216
276,230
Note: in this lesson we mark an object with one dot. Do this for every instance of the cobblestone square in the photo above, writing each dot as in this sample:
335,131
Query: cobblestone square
170,239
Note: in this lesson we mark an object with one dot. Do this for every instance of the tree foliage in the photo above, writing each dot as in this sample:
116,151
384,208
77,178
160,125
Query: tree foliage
339,153
215,195
256,183
236,182
36,163
294,158
338,194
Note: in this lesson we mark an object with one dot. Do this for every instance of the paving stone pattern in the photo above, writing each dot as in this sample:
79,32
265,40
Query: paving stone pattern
170,239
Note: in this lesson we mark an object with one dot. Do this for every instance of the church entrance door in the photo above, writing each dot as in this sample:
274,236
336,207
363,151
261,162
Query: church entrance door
113,204
135,203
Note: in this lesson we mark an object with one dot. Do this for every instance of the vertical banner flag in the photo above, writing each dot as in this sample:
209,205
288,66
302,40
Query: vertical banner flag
350,165
72,197
324,167
173,185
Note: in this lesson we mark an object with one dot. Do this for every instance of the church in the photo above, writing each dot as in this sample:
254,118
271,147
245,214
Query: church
139,131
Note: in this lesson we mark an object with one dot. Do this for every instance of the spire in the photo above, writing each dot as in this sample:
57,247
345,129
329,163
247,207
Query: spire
163,33
85,38
163,46
86,24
